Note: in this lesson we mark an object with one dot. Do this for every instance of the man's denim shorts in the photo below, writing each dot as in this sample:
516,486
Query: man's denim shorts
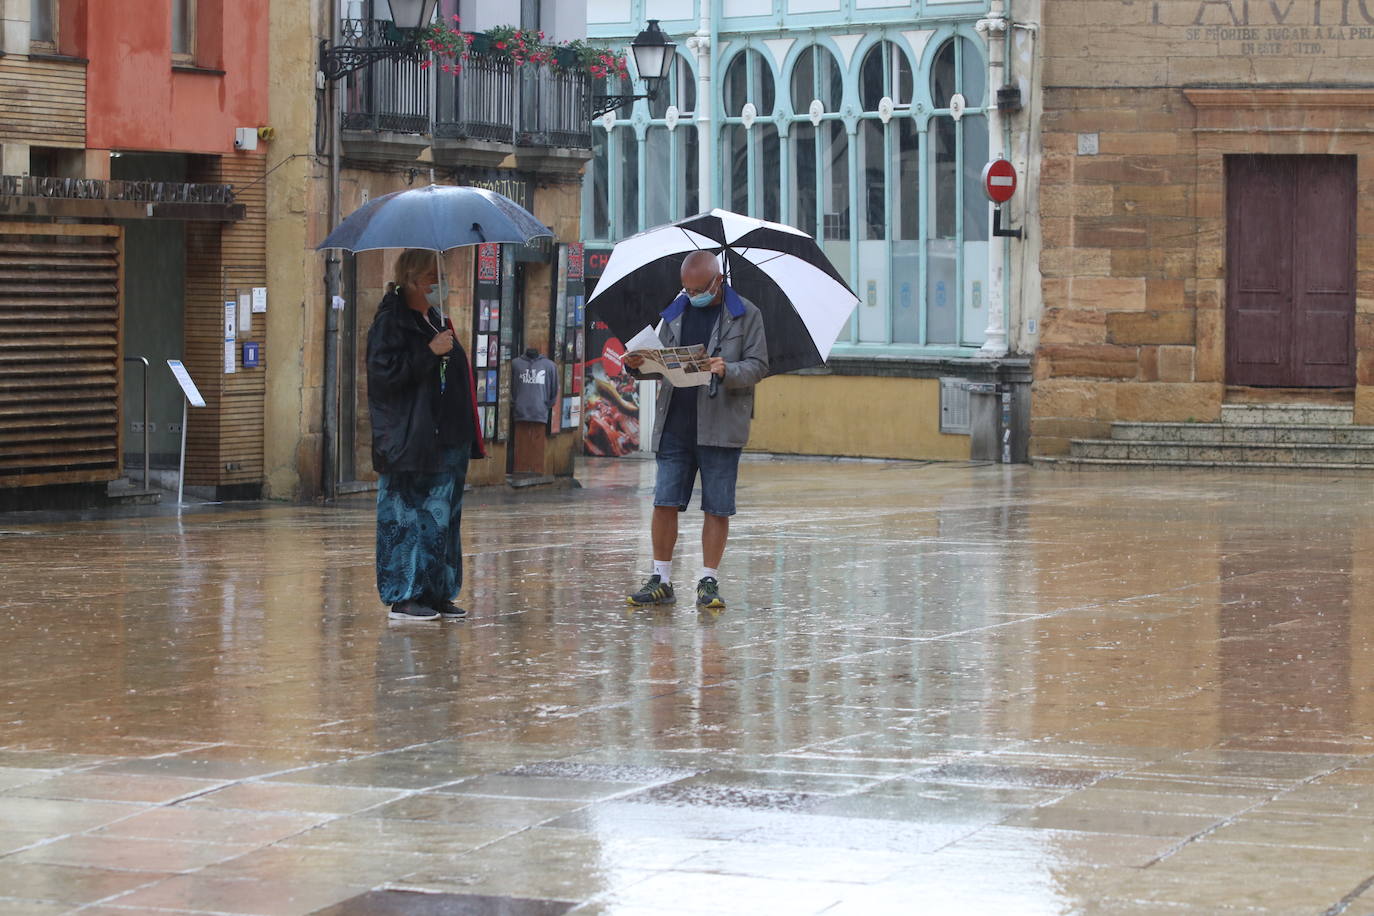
678,463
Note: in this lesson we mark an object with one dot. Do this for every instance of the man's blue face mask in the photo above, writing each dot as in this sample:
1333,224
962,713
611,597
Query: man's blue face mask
703,299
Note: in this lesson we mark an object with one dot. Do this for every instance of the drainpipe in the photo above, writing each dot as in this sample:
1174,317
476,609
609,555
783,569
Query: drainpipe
329,430
700,44
995,29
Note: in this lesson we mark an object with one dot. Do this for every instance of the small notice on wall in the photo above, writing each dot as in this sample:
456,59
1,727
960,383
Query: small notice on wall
231,332
259,300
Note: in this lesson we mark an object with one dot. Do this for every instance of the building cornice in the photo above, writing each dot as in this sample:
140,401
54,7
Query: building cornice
1253,98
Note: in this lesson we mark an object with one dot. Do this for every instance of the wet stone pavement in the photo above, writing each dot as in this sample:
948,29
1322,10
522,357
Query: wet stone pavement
937,689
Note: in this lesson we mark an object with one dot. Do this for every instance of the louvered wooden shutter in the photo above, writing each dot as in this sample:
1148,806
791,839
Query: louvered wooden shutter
61,372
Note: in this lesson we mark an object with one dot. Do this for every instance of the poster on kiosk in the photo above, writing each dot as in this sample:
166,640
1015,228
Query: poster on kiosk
611,422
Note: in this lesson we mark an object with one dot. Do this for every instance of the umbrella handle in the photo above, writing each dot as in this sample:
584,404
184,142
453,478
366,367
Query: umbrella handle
443,300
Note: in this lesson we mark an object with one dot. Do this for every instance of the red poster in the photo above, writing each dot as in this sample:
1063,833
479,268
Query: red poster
488,263
574,260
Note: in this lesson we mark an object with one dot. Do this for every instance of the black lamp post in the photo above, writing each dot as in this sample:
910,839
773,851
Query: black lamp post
654,53
411,18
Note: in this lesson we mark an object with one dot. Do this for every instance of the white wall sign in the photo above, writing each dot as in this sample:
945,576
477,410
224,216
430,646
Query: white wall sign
231,333
259,299
188,387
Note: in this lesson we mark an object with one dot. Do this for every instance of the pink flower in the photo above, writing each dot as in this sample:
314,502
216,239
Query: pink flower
501,45
424,64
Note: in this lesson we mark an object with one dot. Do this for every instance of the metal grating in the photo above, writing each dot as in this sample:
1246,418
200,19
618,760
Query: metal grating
60,357
954,406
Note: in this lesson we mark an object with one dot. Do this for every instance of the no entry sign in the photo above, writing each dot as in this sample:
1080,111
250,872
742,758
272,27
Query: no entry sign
999,181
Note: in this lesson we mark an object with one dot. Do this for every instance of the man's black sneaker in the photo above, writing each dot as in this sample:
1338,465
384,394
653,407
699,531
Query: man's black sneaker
412,610
450,611
708,593
653,591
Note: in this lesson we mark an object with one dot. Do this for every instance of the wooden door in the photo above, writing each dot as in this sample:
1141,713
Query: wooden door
1290,271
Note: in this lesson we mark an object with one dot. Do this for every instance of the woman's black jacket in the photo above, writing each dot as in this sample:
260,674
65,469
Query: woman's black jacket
412,421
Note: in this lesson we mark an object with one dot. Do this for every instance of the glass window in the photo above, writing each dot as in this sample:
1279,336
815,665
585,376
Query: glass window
873,179
835,181
687,171
957,68
672,154
599,186
627,148
42,22
748,79
816,75
658,194
885,72
803,143
736,167
183,28
767,202
897,205
906,228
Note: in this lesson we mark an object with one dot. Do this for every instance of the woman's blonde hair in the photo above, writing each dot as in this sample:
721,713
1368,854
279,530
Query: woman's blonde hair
413,262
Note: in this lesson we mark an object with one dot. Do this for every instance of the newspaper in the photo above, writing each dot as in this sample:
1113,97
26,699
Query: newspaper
683,367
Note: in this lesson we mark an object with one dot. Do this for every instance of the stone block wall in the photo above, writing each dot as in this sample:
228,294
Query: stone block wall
1122,335
1142,103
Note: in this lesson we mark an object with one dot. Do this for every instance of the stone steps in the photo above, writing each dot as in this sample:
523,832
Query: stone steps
1117,464
1280,453
1249,433
1286,415
1272,436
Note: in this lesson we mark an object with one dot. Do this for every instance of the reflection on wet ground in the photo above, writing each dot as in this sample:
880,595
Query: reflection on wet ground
938,689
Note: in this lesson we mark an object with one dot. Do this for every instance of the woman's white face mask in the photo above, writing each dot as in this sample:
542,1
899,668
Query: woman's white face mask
437,293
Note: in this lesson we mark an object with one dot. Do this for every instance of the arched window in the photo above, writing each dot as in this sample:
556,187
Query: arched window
819,190
958,247
750,147
670,154
890,187
889,198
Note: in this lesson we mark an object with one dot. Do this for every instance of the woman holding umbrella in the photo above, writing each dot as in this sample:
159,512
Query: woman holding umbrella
425,428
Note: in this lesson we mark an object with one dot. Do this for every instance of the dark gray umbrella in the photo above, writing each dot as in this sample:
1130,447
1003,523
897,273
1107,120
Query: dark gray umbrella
436,218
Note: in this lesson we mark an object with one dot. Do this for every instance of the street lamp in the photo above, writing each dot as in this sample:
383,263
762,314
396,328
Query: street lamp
654,53
411,18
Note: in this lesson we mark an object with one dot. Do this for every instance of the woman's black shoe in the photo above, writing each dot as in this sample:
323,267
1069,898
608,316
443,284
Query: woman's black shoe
412,610
450,611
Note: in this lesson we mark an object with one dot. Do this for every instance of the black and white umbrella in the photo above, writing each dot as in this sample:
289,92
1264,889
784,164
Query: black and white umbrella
804,300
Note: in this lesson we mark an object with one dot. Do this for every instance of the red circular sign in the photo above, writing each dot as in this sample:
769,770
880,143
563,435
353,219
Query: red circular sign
611,357
999,181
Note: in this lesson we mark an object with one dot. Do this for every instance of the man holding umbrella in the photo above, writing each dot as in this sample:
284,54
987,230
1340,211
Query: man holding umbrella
702,428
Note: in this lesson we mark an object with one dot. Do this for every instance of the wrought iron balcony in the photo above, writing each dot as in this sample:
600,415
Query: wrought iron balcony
490,99
388,95
528,105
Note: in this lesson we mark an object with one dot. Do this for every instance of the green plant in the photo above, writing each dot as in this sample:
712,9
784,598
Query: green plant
447,42
599,62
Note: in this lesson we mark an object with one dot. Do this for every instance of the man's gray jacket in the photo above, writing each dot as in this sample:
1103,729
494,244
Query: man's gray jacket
738,339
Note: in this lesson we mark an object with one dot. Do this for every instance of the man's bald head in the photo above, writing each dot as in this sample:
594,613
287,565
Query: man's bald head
701,273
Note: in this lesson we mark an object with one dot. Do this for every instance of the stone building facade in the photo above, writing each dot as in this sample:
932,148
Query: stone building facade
400,125
1205,228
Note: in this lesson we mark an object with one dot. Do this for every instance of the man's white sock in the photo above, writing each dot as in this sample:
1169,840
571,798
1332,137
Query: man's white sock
707,571
664,570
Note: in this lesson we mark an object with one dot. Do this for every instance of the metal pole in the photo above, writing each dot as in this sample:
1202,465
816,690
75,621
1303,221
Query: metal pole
181,464
147,463
330,396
